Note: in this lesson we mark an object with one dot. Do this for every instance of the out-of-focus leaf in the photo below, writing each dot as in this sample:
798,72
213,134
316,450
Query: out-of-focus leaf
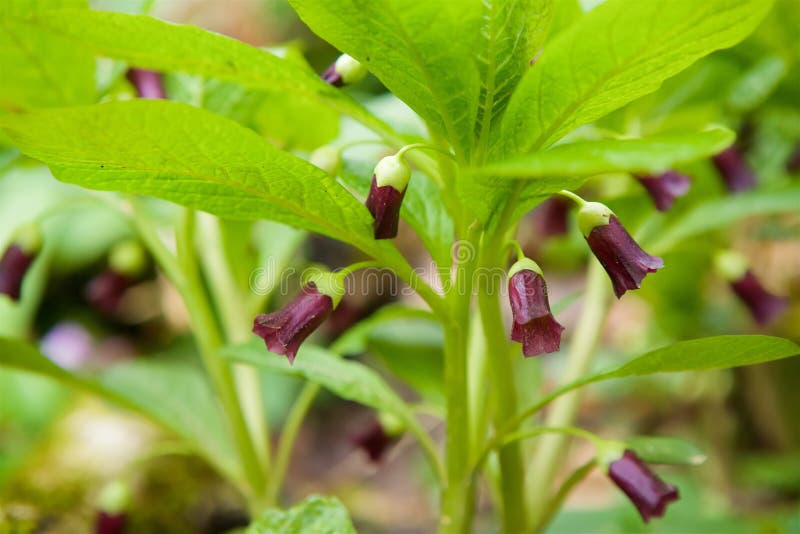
40,69
651,154
169,389
617,52
756,84
666,450
722,212
315,515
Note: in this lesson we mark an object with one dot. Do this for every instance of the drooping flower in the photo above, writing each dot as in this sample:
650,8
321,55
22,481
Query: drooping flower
377,437
534,325
285,330
112,509
346,70
764,306
664,188
644,488
148,83
126,263
735,172
622,258
386,194
17,259
793,164
550,217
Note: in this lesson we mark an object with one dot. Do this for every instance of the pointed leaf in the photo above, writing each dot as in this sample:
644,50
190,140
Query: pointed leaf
315,515
666,450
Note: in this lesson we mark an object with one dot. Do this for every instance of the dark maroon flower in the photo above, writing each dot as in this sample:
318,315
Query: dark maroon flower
622,258
665,188
793,165
285,330
550,217
735,172
646,491
107,523
534,325
374,441
148,83
104,292
13,266
763,305
346,70
386,195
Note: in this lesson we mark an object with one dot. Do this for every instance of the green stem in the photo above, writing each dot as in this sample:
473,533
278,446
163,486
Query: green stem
563,492
572,196
505,395
209,340
551,450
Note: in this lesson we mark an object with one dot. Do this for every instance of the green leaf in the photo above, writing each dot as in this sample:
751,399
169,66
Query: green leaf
666,450
346,378
39,69
583,158
721,213
424,52
756,84
192,157
513,33
315,515
170,390
617,52
149,43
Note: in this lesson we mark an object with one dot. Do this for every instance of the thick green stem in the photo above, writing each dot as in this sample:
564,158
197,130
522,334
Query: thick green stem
505,396
563,411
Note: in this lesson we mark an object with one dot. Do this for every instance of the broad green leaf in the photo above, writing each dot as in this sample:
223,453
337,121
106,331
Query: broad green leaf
356,339
149,43
192,157
651,154
721,213
348,379
315,515
666,450
39,69
617,52
170,390
513,32
424,52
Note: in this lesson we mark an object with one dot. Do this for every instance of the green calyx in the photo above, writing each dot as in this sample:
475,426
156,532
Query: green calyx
608,452
591,215
525,264
114,498
29,239
391,424
393,171
328,158
327,283
731,265
128,258
350,69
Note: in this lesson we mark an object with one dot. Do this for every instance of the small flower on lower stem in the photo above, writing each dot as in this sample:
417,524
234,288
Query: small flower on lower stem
764,306
148,83
379,436
346,70
646,491
622,258
285,330
127,261
550,217
664,188
17,259
386,194
112,509
735,172
534,325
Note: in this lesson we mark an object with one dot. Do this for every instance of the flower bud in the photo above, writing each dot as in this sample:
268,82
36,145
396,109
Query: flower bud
285,330
112,506
764,306
346,70
734,170
665,188
127,261
386,194
622,258
534,325
646,491
18,258
328,158
148,83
